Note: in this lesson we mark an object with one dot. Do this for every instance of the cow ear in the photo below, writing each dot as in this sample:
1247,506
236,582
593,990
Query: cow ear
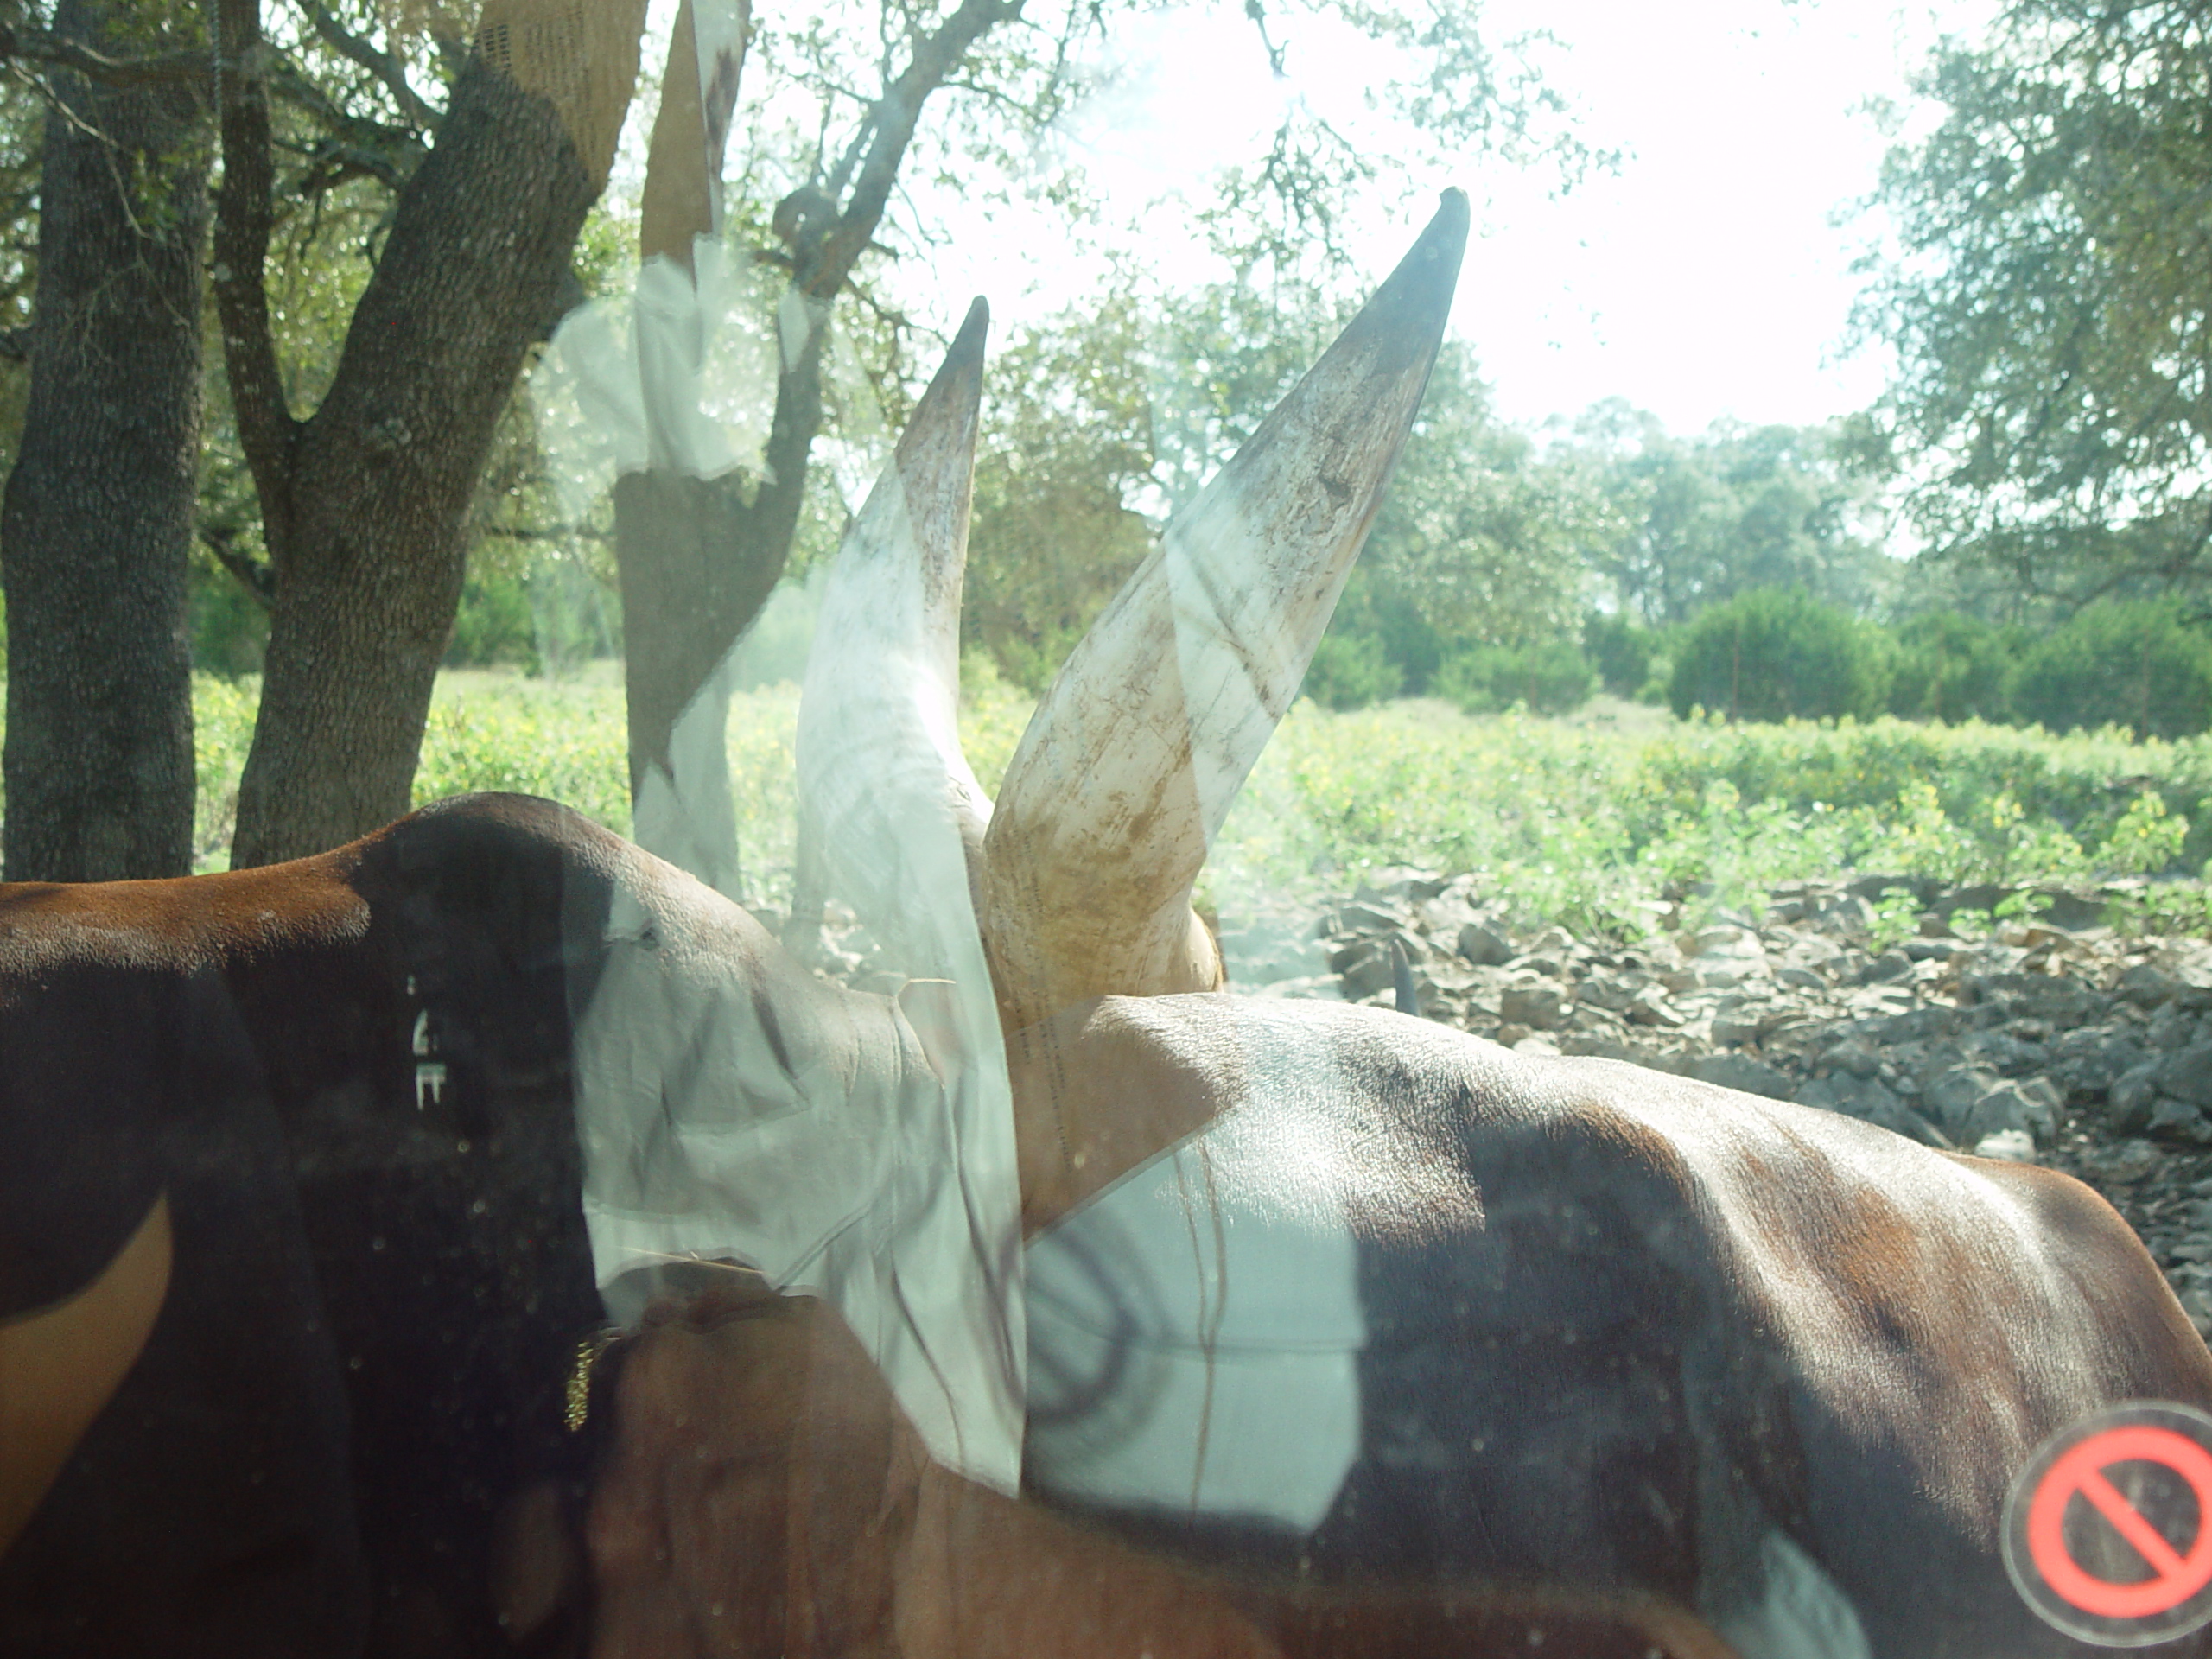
932,1009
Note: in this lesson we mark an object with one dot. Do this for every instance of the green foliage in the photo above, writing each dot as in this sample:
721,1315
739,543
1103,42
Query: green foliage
1897,918
1774,655
1481,537
1601,831
230,626
1953,667
1547,679
1575,825
2123,663
2048,298
1622,654
493,624
2147,839
1351,671
1067,441
1692,522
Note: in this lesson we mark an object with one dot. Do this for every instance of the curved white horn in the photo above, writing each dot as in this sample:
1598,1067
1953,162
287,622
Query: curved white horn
880,768
1131,761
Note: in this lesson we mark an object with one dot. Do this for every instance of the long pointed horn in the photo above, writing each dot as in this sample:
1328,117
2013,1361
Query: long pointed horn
1131,761
879,754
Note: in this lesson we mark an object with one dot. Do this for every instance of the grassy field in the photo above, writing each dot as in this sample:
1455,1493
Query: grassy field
1592,820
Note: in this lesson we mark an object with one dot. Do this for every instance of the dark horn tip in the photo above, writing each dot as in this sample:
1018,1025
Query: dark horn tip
960,377
977,324
1424,281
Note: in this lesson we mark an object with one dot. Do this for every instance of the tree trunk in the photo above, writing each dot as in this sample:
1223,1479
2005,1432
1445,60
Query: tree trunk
365,503
96,527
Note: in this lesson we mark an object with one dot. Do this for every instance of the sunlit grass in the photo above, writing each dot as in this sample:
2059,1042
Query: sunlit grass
1596,821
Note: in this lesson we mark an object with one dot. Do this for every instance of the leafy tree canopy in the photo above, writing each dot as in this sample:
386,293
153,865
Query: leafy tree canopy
2048,293
1699,520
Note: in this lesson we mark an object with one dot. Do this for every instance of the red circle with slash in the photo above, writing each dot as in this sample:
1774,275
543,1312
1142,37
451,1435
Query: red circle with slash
2175,1577
2130,1563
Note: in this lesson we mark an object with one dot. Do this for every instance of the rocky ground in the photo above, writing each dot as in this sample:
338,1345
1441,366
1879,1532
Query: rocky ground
2054,1041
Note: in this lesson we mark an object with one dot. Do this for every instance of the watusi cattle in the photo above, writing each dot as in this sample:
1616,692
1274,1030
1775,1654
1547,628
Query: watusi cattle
1346,1334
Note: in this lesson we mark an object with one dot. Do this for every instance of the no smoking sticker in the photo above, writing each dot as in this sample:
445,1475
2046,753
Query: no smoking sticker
2108,1527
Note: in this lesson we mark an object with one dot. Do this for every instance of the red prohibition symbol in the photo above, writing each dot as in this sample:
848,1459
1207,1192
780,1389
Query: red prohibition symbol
2175,1576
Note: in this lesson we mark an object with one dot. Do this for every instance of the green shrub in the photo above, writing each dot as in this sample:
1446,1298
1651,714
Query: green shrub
1951,668
229,626
1546,679
2120,663
1777,654
1621,651
1350,671
494,624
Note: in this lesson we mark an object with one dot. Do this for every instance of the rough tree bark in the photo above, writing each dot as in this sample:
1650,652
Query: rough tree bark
364,503
96,527
697,559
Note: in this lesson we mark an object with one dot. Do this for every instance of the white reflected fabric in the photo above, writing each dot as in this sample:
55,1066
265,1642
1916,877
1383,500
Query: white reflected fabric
720,1119
881,772
1194,1349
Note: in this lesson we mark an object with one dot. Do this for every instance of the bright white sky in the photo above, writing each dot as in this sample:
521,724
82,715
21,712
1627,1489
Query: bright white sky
1710,276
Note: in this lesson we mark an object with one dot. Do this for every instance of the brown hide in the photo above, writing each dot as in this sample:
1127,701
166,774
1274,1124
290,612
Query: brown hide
1756,1316
763,1496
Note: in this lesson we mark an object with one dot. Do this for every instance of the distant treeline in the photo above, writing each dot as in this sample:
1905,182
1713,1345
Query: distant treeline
1776,654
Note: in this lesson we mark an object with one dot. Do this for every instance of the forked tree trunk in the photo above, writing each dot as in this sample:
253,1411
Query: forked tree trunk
95,533
365,502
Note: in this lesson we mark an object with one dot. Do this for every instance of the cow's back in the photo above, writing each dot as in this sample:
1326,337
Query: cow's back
1600,1326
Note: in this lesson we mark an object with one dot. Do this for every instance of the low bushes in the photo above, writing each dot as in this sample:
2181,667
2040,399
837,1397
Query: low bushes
1546,679
1780,655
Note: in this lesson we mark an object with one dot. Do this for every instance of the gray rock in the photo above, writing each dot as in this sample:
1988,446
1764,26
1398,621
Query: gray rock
1398,884
2147,988
1739,1026
1951,1096
1870,1101
1854,1056
1854,1096
1364,966
1538,1007
2089,1059
2008,1146
1485,945
2029,1108
1804,979
1933,950
2170,1029
1651,1008
1890,965
2132,1095
2186,1074
1742,1071
1357,918
2180,1120
1615,996
2130,1161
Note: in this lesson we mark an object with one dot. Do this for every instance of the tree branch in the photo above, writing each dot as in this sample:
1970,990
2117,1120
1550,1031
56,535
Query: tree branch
402,146
935,57
164,69
389,71
243,217
258,580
